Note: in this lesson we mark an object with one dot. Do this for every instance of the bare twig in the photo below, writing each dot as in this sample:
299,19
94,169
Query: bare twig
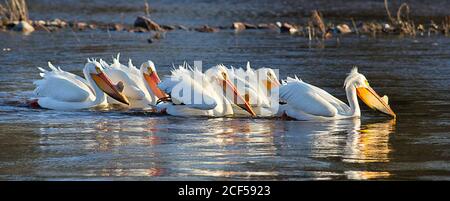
399,12
317,19
446,25
388,12
147,8
354,26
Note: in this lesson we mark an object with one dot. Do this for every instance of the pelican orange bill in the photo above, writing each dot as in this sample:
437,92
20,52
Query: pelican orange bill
105,84
239,99
374,101
152,81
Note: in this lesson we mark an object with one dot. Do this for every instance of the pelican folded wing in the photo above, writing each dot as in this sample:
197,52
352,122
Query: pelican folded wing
62,89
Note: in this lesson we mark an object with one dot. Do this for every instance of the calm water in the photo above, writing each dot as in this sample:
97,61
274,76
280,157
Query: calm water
37,144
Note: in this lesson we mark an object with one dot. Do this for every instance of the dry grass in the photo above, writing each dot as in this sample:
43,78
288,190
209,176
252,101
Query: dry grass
405,25
446,25
318,21
14,10
147,8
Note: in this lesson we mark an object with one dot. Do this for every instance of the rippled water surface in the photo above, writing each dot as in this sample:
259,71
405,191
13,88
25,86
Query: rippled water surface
37,144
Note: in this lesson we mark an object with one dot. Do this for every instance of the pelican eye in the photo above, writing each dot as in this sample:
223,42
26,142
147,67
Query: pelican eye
224,75
150,70
98,69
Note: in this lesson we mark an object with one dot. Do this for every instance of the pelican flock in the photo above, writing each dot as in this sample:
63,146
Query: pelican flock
187,91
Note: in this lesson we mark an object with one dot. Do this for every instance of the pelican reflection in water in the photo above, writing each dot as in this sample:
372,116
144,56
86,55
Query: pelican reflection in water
344,140
218,148
228,148
104,148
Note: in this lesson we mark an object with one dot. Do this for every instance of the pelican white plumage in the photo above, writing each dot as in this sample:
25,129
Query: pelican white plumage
307,102
194,93
61,90
257,86
139,84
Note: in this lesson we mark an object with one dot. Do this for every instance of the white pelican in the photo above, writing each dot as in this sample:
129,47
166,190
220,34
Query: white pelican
140,86
307,102
194,93
61,90
256,85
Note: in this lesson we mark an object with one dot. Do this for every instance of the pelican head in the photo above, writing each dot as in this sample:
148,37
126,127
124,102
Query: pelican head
366,93
219,73
151,77
268,78
103,82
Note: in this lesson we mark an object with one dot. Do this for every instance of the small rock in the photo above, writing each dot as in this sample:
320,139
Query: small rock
168,27
328,35
182,27
343,28
116,27
268,26
57,23
80,25
250,26
52,23
23,26
238,26
207,29
387,28
63,24
286,27
39,22
92,26
147,23
421,28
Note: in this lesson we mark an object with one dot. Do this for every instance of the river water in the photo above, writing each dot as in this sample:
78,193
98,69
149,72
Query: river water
118,144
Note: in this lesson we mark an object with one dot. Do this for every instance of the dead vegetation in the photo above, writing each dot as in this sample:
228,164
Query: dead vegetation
316,27
14,10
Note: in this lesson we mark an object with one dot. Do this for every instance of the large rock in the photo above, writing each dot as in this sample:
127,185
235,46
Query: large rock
147,23
238,26
23,26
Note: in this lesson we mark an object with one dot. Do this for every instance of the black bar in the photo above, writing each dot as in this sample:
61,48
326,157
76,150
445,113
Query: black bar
235,189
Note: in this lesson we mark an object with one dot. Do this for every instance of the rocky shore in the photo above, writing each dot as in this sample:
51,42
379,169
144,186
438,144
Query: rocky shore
315,28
